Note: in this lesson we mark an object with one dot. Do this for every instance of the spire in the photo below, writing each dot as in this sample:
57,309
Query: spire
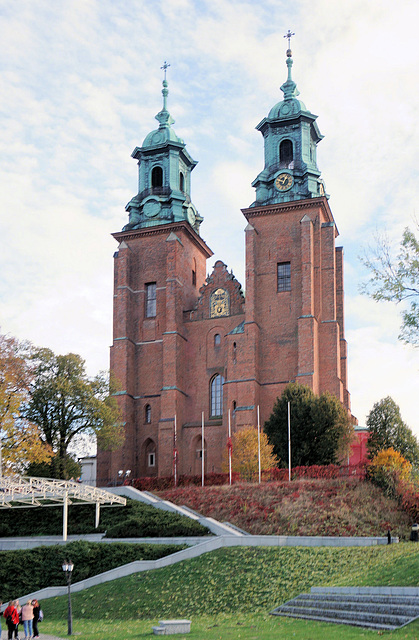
289,87
164,116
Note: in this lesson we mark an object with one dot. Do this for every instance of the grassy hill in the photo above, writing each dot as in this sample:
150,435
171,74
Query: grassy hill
228,594
301,507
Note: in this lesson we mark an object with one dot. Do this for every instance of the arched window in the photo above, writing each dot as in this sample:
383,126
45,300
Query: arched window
147,413
181,181
216,390
157,177
217,340
285,153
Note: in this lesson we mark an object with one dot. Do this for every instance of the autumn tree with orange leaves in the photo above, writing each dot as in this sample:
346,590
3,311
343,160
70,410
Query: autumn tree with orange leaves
244,456
20,439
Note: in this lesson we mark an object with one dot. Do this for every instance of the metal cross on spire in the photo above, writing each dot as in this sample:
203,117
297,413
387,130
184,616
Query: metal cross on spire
165,67
289,36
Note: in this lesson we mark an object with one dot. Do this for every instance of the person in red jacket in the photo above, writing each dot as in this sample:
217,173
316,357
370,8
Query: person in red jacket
12,619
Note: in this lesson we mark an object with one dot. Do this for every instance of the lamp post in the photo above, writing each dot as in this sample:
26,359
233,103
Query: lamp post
68,568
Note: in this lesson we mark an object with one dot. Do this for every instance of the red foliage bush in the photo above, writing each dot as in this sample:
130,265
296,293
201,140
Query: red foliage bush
317,472
408,496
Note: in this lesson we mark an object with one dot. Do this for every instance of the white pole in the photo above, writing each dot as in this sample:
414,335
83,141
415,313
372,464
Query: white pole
97,516
175,453
203,452
259,461
65,516
229,445
289,442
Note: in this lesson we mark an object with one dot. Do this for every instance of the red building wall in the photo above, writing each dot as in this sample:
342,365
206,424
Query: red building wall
267,339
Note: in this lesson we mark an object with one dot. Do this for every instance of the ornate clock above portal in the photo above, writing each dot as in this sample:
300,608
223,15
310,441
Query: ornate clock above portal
219,303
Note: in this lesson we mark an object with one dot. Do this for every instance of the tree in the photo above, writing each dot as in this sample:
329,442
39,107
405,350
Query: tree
396,279
65,403
244,454
321,430
20,441
387,430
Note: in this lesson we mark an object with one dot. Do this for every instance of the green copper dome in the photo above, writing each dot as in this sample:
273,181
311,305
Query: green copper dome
164,177
291,135
164,133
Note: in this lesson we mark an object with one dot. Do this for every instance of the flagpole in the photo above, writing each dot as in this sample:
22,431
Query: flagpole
175,454
289,442
203,451
229,445
259,462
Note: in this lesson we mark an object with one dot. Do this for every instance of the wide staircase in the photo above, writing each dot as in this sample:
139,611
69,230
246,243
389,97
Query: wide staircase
375,608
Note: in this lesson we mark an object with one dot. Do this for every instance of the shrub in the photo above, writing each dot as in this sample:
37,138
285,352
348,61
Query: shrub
387,468
81,520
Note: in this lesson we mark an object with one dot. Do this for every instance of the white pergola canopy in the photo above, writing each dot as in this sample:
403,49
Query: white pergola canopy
17,491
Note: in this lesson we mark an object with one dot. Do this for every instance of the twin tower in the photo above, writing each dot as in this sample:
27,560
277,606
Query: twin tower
185,344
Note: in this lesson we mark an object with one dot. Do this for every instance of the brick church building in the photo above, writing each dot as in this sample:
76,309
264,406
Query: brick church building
188,347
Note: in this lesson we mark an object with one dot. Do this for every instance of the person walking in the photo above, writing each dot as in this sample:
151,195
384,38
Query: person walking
36,610
19,618
27,617
12,619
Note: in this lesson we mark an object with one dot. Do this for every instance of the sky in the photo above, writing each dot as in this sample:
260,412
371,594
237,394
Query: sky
80,84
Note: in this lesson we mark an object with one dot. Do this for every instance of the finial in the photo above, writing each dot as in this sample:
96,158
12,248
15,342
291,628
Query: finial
164,116
165,67
289,36
289,87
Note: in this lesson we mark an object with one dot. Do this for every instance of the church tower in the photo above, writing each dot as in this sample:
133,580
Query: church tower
159,263
294,272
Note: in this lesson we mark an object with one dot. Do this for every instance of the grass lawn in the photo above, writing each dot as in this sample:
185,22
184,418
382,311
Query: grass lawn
228,594
228,627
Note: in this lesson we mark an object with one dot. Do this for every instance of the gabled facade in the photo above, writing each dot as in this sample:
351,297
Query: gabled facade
187,346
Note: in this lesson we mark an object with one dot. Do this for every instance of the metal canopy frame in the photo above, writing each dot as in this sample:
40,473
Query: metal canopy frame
21,492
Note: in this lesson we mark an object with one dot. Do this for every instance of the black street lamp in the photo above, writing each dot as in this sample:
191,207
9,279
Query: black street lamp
68,568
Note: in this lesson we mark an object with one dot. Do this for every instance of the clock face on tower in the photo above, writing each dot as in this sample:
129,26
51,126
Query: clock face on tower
219,303
284,181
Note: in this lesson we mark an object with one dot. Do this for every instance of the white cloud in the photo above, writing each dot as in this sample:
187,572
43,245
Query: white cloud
83,90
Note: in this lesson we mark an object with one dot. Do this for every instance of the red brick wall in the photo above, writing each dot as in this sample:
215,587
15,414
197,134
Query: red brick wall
169,361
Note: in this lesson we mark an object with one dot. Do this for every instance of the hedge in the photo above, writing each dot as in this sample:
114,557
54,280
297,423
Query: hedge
32,569
149,521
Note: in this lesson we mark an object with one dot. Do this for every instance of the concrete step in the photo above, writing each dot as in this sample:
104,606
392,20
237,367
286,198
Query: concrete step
400,606
377,599
370,611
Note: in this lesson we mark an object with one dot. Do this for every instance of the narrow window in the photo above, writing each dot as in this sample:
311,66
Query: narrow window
181,181
217,340
217,396
150,306
147,413
194,272
157,177
284,276
285,153
151,459
234,405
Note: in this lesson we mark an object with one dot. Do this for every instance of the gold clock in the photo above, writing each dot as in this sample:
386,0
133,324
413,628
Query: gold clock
219,304
284,181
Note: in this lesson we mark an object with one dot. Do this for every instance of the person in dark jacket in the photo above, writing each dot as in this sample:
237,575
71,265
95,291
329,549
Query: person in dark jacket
12,619
36,610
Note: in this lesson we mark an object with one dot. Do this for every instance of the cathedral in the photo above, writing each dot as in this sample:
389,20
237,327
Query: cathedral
198,354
